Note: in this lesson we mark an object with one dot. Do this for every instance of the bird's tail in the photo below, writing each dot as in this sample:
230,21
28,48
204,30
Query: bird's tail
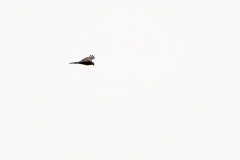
74,63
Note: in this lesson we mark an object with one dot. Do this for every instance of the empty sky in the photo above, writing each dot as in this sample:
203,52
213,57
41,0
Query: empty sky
165,84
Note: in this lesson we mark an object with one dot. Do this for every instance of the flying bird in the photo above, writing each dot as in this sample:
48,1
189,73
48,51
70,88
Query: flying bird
85,61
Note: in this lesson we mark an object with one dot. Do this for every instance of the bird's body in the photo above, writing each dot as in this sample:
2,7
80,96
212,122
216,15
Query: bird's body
86,61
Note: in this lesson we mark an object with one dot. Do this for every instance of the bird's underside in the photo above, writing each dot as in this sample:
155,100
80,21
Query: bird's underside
85,61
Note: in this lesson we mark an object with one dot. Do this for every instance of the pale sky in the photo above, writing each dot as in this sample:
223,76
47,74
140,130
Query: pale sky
165,85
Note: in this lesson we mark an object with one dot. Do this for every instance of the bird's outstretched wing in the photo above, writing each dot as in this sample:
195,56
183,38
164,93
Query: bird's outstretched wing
90,58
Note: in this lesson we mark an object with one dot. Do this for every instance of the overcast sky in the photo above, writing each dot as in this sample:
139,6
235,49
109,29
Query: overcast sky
165,84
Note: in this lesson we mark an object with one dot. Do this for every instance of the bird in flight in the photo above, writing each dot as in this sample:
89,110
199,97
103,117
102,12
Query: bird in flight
85,61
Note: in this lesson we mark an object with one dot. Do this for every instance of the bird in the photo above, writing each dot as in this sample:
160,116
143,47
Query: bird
86,61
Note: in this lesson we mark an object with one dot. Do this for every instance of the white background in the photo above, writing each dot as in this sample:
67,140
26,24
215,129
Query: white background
165,84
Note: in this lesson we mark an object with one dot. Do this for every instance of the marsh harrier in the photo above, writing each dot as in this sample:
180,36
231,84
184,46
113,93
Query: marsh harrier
85,61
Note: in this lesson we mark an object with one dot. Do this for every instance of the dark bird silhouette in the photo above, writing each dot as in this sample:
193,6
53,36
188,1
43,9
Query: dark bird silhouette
85,61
